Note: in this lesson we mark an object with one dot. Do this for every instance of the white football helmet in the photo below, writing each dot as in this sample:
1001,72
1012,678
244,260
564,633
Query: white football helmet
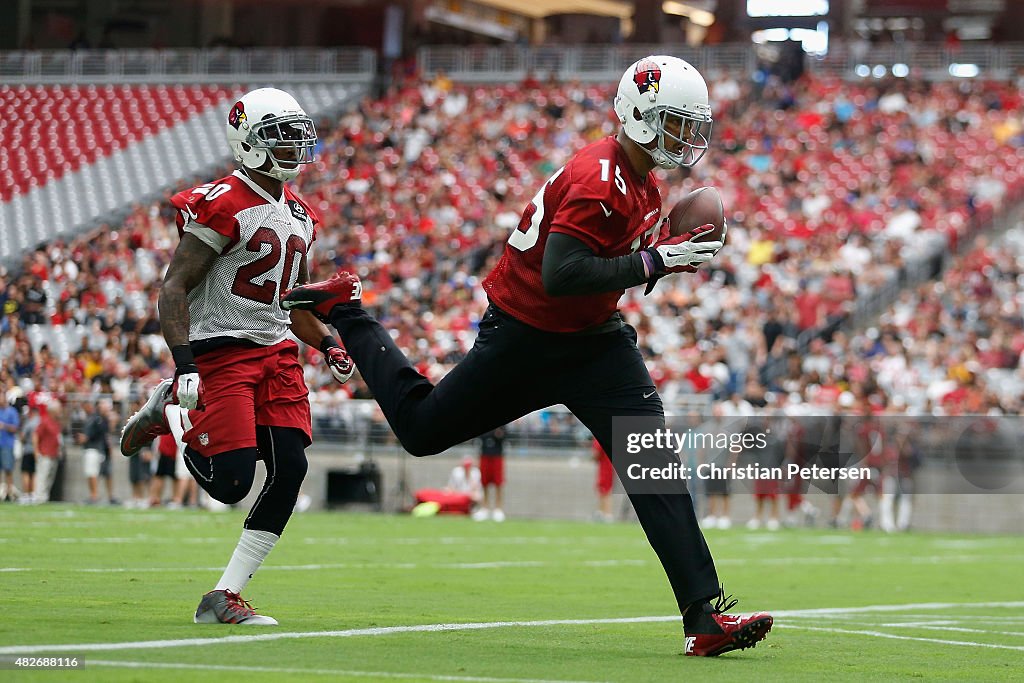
665,99
267,120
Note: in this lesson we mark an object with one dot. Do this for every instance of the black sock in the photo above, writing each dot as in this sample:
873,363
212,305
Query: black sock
698,618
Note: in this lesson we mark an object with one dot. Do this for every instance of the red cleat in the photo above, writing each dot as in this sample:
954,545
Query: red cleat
342,289
720,632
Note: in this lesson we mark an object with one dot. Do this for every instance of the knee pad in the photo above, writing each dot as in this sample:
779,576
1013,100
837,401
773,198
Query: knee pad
227,476
283,450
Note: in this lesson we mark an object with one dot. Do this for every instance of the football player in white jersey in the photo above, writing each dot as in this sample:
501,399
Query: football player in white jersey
238,394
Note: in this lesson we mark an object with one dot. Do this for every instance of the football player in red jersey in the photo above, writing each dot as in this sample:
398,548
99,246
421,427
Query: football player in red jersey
238,393
592,230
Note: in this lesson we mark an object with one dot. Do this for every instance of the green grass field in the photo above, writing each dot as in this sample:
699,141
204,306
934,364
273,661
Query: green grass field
343,586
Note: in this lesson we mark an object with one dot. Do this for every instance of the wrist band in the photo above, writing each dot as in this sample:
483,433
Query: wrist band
648,261
182,355
328,342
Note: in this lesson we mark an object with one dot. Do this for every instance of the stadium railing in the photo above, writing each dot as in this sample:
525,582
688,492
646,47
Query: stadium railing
30,67
485,63
604,63
358,424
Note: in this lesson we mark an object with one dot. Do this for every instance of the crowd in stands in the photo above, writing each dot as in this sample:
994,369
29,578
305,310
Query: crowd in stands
831,188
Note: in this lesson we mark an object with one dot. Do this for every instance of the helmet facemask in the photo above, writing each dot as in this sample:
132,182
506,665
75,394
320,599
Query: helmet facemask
682,138
293,134
662,104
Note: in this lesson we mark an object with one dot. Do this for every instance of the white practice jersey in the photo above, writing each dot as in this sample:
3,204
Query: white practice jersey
261,242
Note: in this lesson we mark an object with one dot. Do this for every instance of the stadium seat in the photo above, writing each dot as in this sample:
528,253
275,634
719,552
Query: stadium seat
72,154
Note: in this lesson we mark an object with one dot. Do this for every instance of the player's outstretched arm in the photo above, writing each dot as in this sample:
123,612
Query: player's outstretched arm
189,265
304,324
571,268
314,333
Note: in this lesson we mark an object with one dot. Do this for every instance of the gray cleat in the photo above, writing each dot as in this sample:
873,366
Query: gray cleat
225,607
149,423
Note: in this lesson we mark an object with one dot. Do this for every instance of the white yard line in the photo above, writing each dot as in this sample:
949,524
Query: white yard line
509,564
893,636
344,565
473,626
320,672
292,635
836,611
944,625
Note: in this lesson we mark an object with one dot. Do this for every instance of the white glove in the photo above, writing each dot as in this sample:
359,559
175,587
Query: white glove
188,390
681,254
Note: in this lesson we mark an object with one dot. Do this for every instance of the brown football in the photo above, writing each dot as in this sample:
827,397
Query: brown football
700,207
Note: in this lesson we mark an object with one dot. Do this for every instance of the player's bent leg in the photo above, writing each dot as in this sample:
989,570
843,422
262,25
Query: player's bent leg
667,515
228,476
426,419
484,391
282,450
149,422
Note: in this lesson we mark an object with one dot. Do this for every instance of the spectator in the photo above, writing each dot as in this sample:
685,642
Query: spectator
10,421
766,491
96,451
140,472
604,484
28,455
492,476
166,452
47,448
462,494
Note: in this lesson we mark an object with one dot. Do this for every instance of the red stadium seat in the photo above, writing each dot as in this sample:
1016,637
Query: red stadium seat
55,129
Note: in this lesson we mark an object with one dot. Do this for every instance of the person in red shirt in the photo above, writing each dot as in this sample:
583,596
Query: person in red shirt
552,333
492,476
604,484
46,442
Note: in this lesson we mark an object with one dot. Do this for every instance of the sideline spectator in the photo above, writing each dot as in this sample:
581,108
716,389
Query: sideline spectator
604,484
463,492
28,455
96,451
47,448
492,476
10,421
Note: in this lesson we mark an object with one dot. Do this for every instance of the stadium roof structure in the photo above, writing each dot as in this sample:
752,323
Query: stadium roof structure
538,9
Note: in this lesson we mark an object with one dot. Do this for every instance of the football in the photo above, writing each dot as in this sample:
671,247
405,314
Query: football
700,207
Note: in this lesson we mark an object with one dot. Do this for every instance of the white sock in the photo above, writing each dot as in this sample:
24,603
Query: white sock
253,547
176,417
905,510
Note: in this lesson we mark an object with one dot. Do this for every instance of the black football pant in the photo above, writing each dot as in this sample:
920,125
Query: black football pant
228,476
514,369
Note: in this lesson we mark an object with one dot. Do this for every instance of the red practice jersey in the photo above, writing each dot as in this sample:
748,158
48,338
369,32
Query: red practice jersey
599,200
261,241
